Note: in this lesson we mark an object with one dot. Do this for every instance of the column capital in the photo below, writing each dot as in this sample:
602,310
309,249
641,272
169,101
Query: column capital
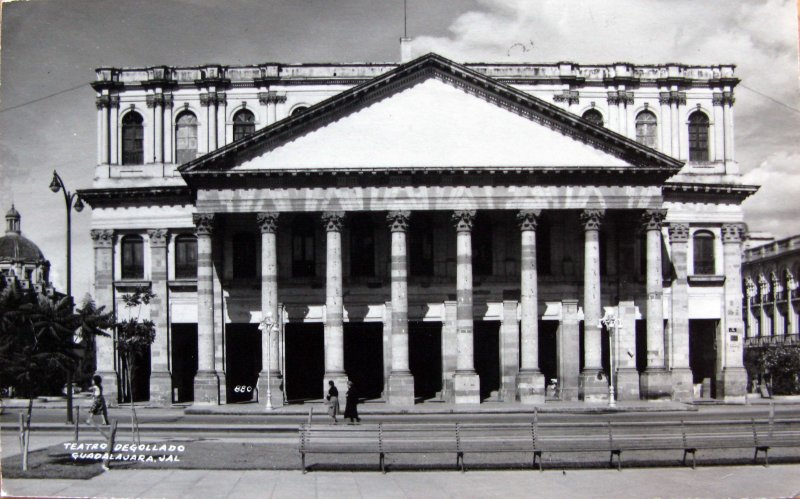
333,221
268,221
102,101
678,233
732,233
398,220
651,219
158,237
528,219
591,219
102,238
463,220
204,222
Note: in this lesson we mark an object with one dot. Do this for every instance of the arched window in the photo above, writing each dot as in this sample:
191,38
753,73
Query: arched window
244,124
244,255
185,137
132,257
646,129
703,241
298,110
698,137
132,139
594,116
303,252
185,257
362,246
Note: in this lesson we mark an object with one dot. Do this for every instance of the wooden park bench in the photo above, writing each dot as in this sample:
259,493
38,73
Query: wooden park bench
538,438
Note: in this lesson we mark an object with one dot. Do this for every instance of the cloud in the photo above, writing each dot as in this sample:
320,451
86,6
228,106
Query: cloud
759,36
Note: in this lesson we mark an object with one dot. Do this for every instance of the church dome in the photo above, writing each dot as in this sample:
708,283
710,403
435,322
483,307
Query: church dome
14,246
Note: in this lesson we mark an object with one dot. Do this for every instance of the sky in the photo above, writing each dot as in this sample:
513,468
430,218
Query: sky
50,48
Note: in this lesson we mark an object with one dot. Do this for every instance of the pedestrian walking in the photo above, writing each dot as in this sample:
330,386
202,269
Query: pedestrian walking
351,404
333,401
98,407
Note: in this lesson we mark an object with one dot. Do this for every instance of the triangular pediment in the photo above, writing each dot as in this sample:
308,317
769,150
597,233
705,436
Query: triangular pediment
420,116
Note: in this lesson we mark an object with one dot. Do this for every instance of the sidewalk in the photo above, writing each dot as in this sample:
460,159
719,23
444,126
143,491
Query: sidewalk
736,481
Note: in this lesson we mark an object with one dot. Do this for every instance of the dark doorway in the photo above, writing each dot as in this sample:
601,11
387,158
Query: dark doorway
425,357
486,344
184,361
305,361
641,346
548,350
363,357
243,361
703,349
140,376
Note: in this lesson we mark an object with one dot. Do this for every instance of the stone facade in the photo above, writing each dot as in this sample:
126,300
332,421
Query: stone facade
429,230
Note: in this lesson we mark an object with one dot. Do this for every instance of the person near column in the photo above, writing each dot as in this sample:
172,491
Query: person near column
98,406
333,401
351,404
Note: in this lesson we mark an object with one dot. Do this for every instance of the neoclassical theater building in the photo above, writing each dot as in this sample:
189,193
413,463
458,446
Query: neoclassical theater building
430,230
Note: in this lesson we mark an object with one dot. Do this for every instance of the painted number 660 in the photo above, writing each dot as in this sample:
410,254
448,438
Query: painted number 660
243,389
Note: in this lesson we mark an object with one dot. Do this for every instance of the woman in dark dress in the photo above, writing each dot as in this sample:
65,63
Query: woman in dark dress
351,409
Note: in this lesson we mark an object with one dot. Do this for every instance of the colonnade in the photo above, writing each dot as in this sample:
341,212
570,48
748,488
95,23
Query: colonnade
466,383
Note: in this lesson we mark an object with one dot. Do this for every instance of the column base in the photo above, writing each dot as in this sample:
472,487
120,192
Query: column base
593,386
160,388
466,387
448,390
530,387
206,388
401,389
276,388
682,384
340,380
110,386
627,384
732,385
656,384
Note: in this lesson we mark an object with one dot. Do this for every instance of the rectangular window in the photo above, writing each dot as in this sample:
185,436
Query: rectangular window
185,258
132,258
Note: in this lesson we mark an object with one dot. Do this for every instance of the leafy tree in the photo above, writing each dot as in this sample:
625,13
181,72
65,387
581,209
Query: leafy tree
134,337
39,336
780,364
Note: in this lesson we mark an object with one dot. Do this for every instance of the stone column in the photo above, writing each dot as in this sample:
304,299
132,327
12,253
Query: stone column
160,377
656,381
155,101
593,385
750,290
765,321
613,111
449,350
777,318
466,381
791,315
530,381
732,381
676,99
682,381
114,137
222,105
206,382
270,349
104,297
719,127
626,376
169,129
401,382
334,308
665,124
102,103
509,351
568,357
727,116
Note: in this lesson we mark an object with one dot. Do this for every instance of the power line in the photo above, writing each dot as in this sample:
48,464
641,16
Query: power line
776,101
34,101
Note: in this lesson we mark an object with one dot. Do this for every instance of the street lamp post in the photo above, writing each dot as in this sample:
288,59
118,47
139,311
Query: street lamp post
612,323
270,326
71,200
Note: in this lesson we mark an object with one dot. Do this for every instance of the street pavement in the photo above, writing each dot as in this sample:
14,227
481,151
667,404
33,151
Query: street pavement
733,481
250,423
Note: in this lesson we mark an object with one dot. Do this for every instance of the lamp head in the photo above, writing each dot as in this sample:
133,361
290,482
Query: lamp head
78,205
54,185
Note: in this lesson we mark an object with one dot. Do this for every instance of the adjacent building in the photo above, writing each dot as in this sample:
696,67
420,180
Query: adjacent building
430,230
22,263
